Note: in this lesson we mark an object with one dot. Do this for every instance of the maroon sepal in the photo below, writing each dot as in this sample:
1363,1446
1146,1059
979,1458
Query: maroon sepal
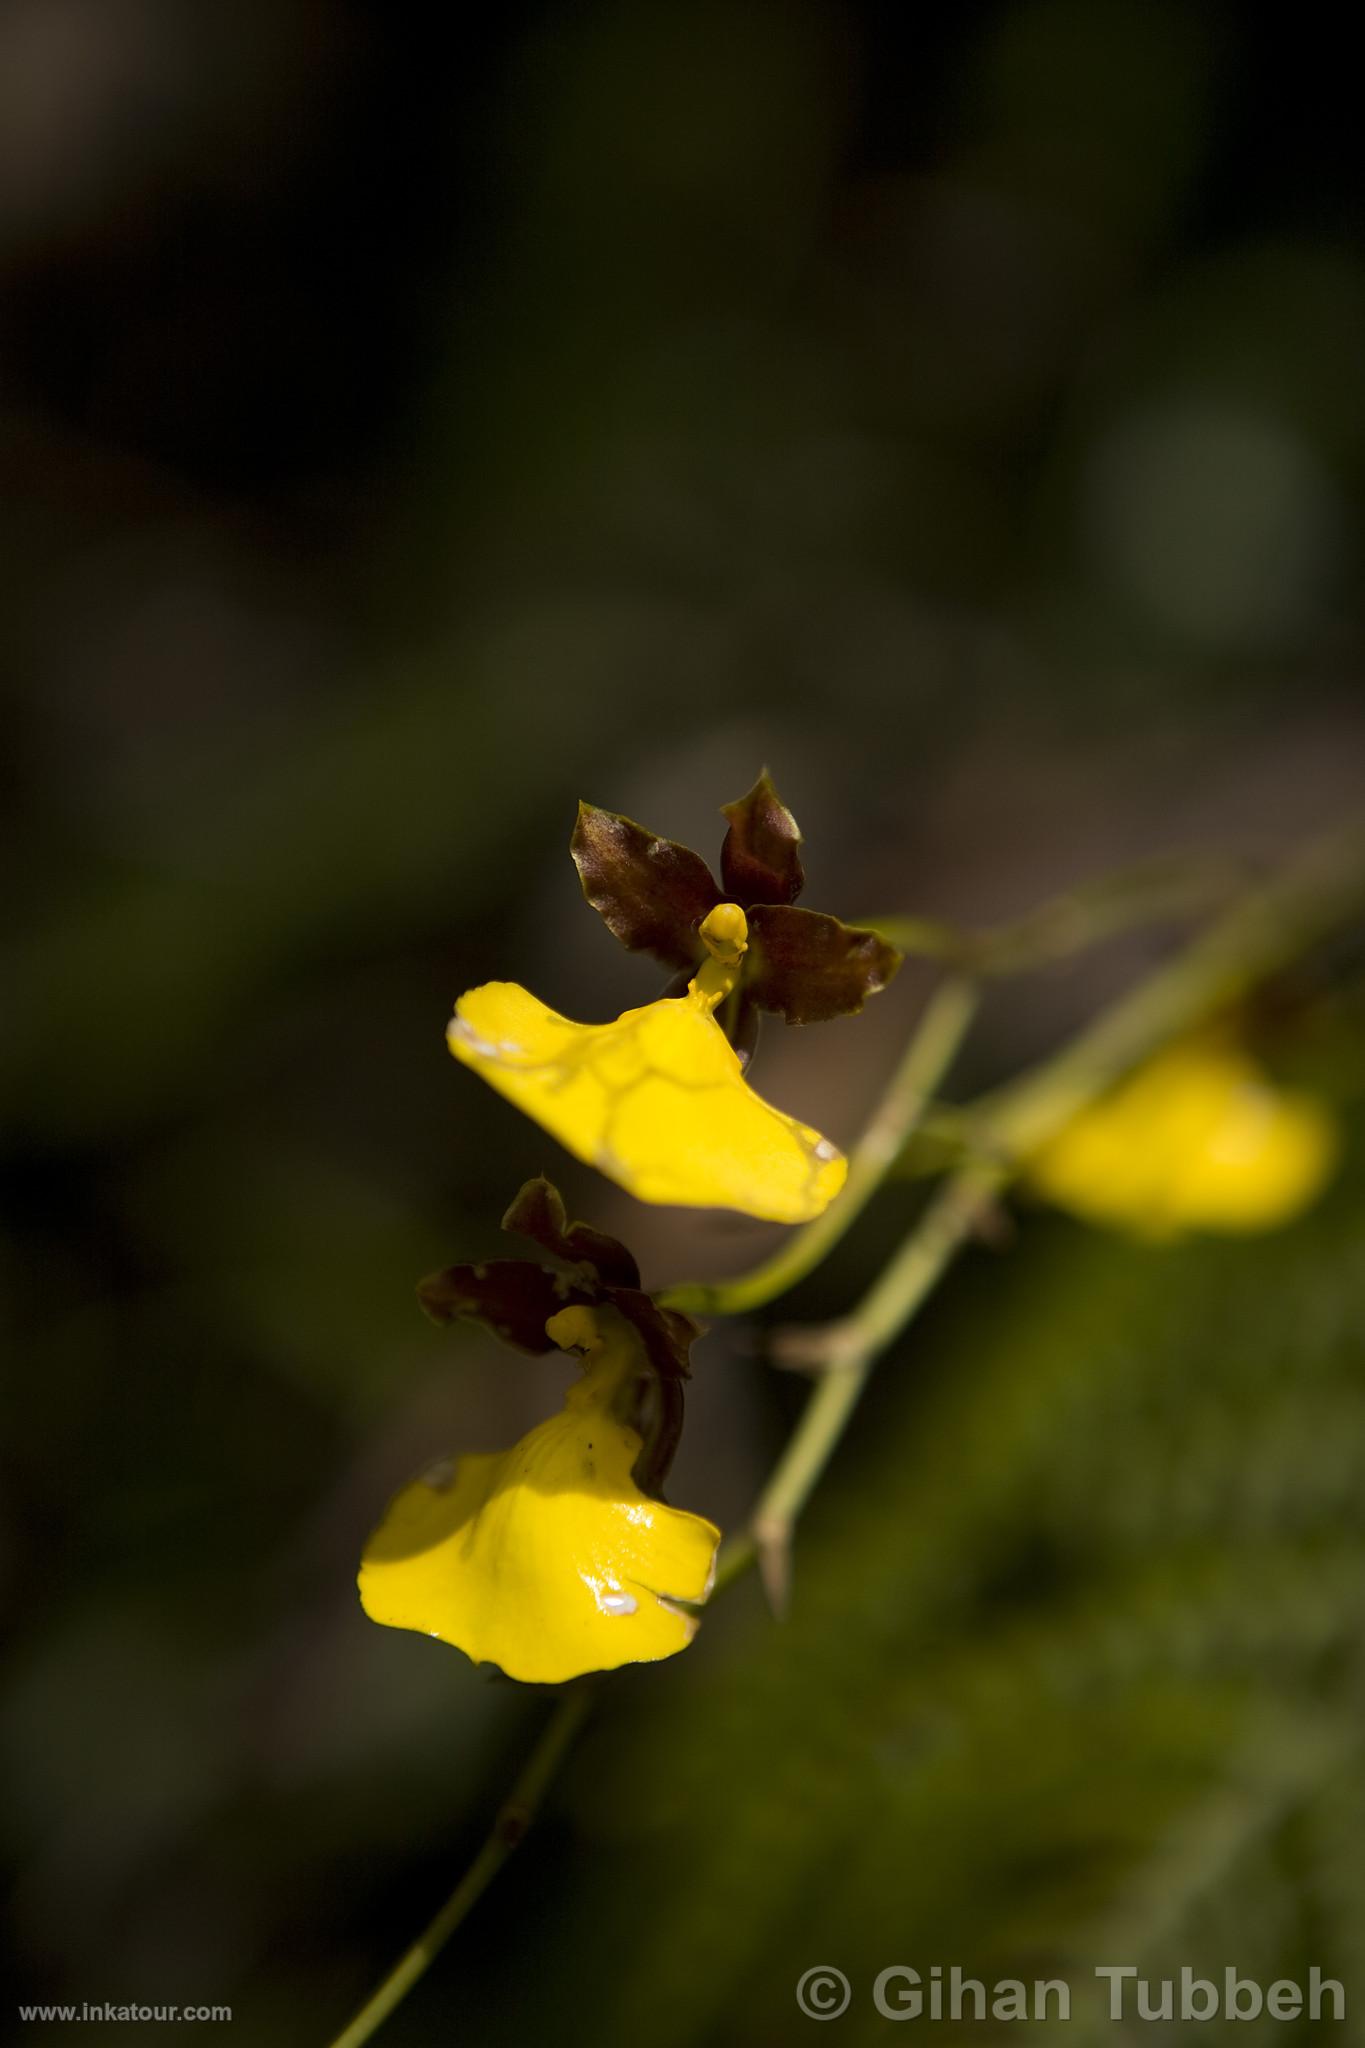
760,861
515,1299
537,1211
667,1334
809,967
651,893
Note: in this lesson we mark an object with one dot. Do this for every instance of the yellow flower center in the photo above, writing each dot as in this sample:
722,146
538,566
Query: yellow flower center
724,932
613,1362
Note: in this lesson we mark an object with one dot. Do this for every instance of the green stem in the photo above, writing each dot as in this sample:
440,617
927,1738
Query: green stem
515,1815
845,1354
946,1017
1256,938
1151,892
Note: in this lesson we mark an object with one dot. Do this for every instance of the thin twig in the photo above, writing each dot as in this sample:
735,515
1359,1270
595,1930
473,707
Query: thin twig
845,1354
1255,939
1152,891
514,1817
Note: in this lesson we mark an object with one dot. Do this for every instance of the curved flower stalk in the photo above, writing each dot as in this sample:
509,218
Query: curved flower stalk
1196,1139
658,1100
556,1557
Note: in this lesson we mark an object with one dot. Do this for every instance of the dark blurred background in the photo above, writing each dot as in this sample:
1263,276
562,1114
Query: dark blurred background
413,419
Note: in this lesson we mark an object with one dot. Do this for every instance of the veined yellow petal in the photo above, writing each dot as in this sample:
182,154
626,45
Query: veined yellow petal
547,1560
657,1100
1197,1139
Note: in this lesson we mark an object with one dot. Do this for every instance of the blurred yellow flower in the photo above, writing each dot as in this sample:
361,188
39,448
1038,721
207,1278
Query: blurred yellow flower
547,1560
657,1100
1196,1139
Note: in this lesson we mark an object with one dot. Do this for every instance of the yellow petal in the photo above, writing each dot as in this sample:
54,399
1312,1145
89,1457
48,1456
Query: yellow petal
1197,1139
657,1100
547,1560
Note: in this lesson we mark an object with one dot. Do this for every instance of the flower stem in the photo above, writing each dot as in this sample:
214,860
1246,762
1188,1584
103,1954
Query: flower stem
1151,892
514,1817
1259,935
947,1015
845,1353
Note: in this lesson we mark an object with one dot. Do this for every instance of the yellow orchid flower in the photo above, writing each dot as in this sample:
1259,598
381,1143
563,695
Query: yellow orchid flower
547,1560
1196,1139
657,1100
